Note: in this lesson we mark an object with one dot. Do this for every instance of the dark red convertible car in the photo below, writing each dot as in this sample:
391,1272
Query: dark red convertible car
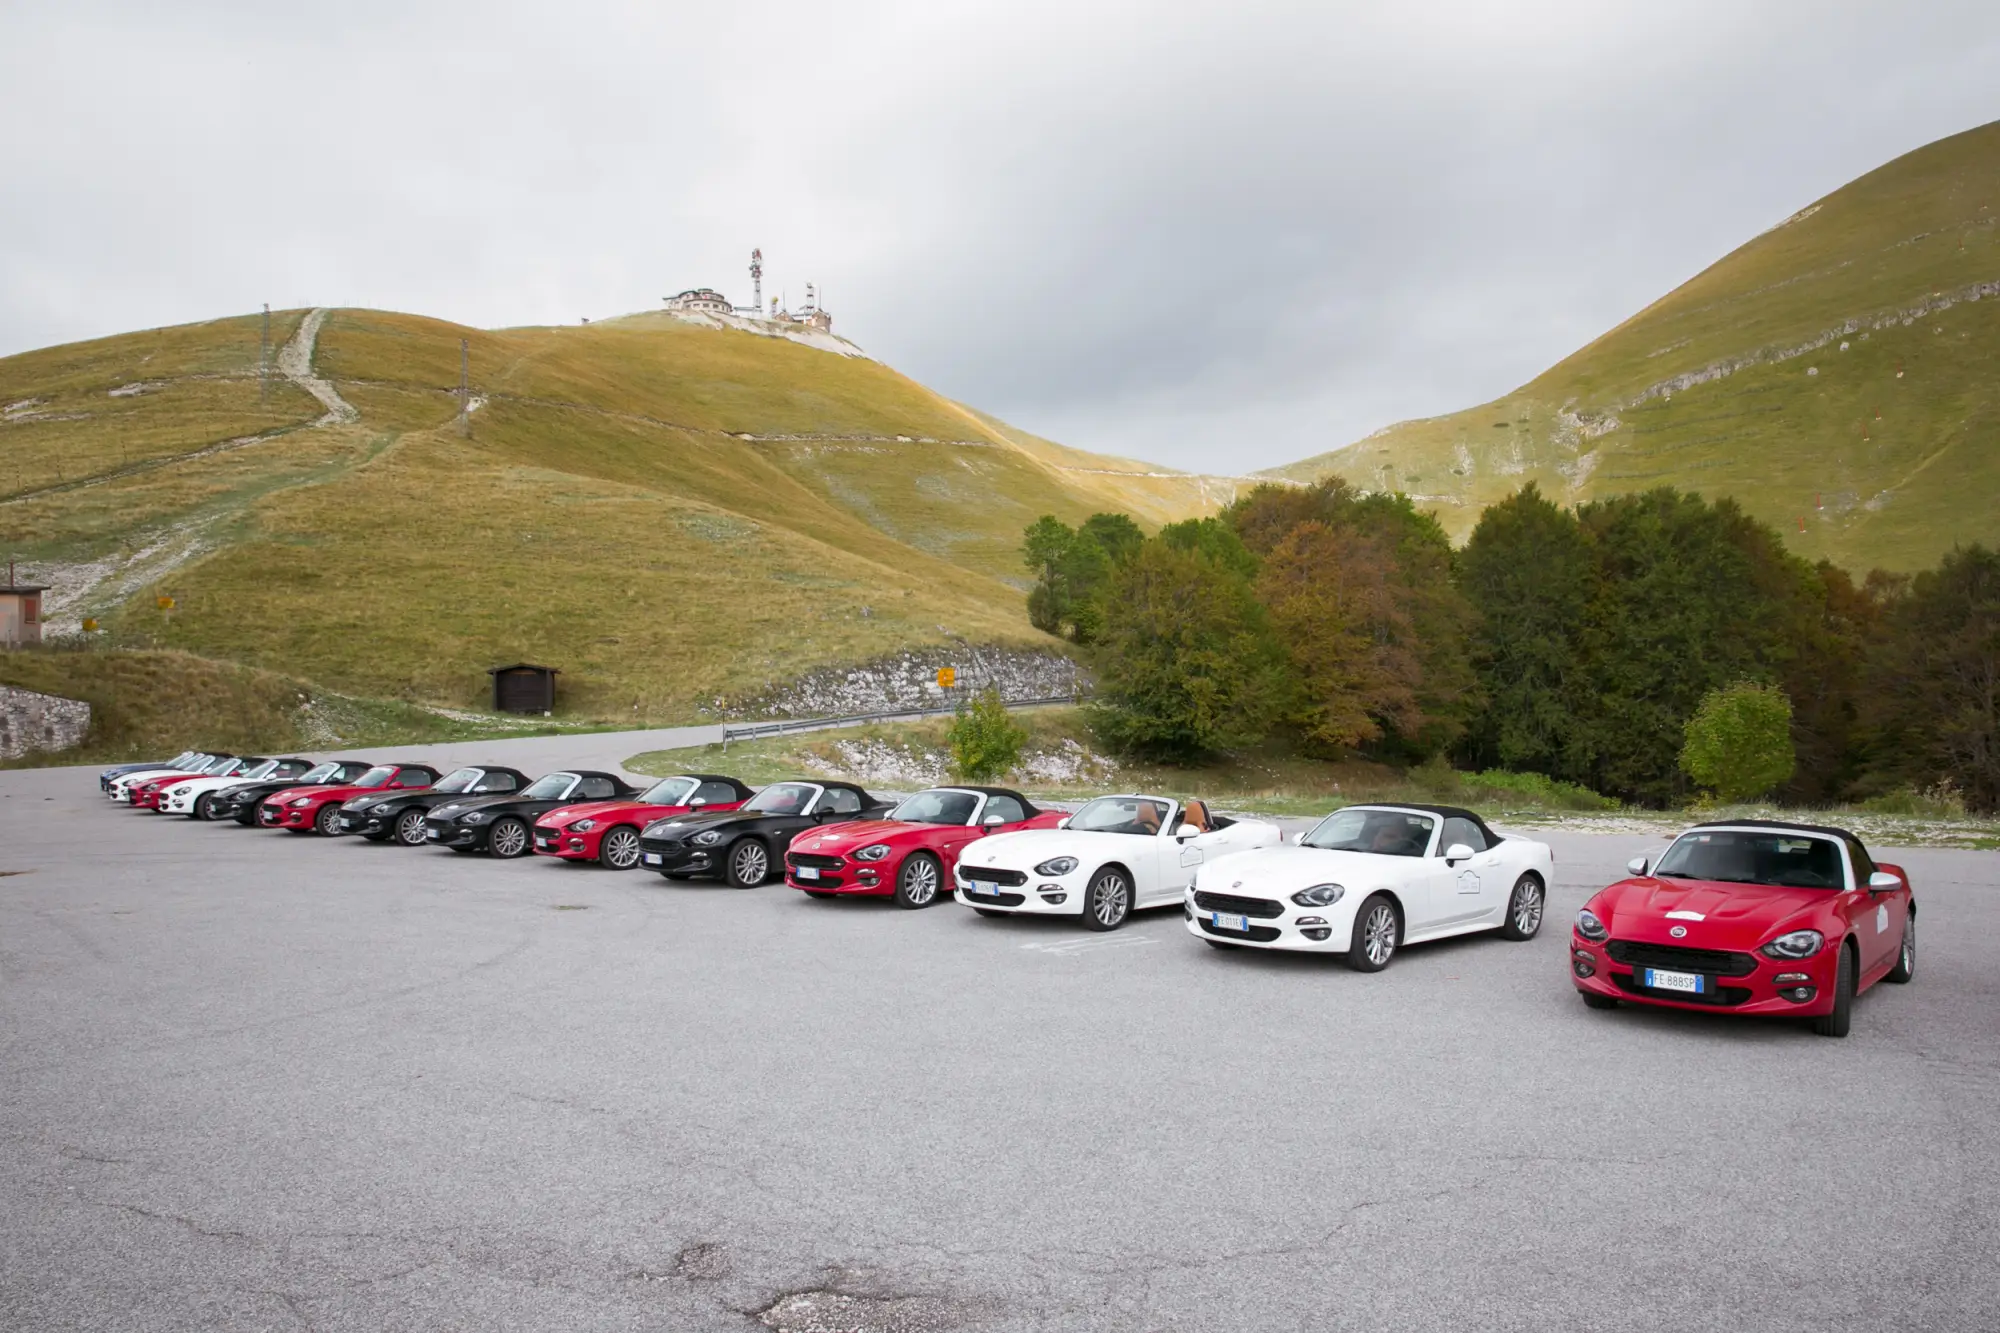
910,852
1749,917
608,831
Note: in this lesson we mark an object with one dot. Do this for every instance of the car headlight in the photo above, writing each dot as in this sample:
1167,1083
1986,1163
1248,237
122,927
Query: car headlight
708,837
298,801
1588,926
1797,944
1060,865
1320,895
474,817
872,852
583,826
383,808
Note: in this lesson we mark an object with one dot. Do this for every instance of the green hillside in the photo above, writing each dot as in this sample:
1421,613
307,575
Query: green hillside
671,513
1836,375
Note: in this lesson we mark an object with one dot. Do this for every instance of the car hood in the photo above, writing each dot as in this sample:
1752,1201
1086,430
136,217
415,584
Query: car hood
144,775
1277,871
1030,847
680,826
408,796
564,816
839,839
1716,915
322,793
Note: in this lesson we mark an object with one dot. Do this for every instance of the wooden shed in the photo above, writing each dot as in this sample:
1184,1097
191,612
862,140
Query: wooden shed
20,613
524,688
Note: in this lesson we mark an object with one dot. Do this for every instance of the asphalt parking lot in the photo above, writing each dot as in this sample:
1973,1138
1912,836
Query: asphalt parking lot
256,1081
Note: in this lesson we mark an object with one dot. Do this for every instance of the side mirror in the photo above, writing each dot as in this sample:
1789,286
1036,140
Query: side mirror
1882,882
697,802
1636,866
993,821
1063,822
1458,851
1186,831
1299,838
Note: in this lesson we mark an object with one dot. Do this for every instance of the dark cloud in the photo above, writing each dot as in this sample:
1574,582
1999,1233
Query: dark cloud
1219,236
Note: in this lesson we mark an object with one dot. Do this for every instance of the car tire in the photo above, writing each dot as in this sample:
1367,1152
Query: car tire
1526,906
991,911
204,806
749,864
618,849
1593,1000
1906,958
1107,903
919,881
1837,1021
410,828
509,839
1378,934
327,822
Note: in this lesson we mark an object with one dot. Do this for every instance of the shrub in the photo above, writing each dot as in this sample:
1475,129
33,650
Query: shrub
1738,744
985,743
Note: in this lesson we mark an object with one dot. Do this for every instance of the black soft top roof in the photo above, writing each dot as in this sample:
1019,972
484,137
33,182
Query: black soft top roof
723,778
1442,811
1825,829
1026,804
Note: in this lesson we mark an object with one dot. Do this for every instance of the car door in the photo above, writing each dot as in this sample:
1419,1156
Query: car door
1471,889
1876,917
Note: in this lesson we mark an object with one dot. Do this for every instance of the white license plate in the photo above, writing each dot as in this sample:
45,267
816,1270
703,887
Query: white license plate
806,872
983,889
653,858
1691,982
432,834
1223,921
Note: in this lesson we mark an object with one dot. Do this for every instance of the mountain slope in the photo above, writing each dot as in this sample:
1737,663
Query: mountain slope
1834,375
670,513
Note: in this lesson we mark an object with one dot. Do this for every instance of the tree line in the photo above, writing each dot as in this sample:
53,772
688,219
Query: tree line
1574,642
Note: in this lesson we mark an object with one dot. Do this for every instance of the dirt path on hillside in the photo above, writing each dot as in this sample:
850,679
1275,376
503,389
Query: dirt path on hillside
295,363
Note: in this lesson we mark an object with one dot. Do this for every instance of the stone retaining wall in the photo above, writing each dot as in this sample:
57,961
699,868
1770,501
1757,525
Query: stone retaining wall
31,721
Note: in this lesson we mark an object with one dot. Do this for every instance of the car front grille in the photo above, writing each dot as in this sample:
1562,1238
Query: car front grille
1262,934
1227,902
1013,879
996,899
816,861
1722,997
1715,962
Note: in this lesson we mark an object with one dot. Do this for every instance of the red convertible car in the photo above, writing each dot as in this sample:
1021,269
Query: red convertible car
909,853
317,809
608,831
146,795
1749,917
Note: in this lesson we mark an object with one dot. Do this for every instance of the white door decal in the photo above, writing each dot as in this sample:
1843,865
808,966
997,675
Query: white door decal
1468,882
1881,918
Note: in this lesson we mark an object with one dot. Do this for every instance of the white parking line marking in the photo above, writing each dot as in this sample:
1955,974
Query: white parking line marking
1087,944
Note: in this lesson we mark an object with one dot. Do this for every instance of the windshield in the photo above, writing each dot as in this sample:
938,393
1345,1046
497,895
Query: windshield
1122,814
552,787
937,807
263,770
669,791
459,779
1383,832
218,767
781,798
376,777
1787,860
322,773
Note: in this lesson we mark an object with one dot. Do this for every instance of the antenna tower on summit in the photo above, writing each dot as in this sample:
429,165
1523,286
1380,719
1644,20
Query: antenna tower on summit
757,280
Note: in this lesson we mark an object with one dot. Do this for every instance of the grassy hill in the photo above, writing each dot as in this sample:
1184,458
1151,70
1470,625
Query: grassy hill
1835,375
670,513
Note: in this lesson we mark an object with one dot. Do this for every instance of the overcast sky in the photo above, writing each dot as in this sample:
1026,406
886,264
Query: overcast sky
1221,236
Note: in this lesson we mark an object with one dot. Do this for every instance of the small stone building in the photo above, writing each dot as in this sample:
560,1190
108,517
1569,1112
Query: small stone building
21,613
524,687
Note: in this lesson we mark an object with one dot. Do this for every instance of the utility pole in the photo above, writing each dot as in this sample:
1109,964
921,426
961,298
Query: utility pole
264,359
464,387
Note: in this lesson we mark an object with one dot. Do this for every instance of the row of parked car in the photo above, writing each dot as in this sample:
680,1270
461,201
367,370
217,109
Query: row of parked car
1749,917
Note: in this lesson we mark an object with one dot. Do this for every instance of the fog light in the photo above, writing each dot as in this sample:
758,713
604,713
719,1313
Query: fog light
1049,888
576,844
1793,979
1799,994
1583,963
1055,899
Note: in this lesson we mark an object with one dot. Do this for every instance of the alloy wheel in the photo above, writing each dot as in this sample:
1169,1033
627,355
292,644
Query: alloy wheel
410,828
750,863
509,838
621,848
1378,934
1528,908
920,881
1111,900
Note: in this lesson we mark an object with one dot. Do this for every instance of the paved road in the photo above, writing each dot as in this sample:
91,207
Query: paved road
606,750
250,1081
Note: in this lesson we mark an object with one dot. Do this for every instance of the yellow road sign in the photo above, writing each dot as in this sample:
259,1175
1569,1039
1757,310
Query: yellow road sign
947,677
166,603
89,625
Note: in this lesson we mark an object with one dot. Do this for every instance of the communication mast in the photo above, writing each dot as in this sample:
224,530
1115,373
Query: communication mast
757,280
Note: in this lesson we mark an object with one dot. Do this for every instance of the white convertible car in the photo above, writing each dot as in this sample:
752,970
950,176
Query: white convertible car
185,798
1372,878
1112,857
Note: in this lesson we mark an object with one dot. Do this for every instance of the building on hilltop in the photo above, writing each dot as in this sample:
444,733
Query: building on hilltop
705,300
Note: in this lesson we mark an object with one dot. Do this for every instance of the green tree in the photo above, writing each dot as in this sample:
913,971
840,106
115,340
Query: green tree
1738,744
1188,665
1528,568
1073,568
1116,534
1045,545
984,741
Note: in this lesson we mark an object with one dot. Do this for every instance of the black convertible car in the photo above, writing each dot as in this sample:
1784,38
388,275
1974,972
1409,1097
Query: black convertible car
500,824
400,814
240,802
744,844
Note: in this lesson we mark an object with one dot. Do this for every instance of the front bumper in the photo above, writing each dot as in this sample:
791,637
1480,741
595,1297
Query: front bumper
817,873
366,824
679,858
454,834
1035,895
1271,923
1769,990
568,844
286,816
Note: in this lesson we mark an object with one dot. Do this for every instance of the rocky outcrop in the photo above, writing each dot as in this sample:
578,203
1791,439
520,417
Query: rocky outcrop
30,721
909,680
